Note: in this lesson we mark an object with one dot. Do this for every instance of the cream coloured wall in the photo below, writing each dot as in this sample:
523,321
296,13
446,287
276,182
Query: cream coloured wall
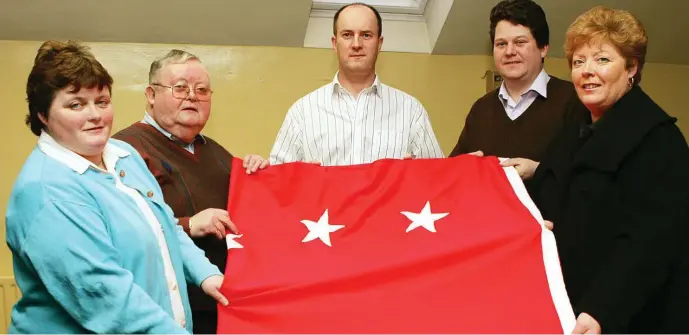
254,87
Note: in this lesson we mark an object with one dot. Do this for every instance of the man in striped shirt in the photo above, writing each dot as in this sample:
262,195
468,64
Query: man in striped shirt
355,119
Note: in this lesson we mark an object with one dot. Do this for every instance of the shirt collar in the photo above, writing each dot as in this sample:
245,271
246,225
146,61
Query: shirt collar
53,149
375,87
149,120
539,85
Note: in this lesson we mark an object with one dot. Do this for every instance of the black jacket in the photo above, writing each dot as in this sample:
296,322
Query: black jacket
617,192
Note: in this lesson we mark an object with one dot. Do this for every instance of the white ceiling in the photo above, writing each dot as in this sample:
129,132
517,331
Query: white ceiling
448,26
228,22
466,28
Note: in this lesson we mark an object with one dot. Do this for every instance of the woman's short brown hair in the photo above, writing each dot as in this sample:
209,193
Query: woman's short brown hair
617,27
59,65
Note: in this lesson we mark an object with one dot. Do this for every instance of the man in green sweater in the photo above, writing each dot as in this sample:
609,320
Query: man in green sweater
519,118
192,169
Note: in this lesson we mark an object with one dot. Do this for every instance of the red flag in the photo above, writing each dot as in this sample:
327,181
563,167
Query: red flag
449,245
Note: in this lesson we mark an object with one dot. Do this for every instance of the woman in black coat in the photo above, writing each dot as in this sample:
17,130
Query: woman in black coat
615,184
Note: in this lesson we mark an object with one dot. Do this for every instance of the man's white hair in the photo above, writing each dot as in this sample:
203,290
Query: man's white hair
175,56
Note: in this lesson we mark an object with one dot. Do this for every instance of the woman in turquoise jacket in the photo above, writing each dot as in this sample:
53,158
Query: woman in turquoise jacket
95,248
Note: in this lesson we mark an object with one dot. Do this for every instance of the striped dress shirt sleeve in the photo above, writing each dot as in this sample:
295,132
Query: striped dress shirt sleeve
424,142
288,144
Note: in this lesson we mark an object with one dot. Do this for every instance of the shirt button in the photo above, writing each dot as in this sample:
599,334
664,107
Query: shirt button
174,287
184,324
122,173
150,194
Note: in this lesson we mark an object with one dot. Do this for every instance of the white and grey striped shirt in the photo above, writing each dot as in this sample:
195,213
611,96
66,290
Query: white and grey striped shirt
332,127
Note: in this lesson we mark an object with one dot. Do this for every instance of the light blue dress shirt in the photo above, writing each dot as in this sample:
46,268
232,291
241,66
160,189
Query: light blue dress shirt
187,146
515,109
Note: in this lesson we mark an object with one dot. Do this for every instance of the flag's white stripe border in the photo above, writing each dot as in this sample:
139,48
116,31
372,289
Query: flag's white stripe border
550,256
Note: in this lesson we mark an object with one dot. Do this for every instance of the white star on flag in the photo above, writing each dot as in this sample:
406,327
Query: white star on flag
231,243
424,219
320,229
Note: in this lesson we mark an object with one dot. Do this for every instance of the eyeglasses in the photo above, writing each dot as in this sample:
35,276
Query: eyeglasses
182,92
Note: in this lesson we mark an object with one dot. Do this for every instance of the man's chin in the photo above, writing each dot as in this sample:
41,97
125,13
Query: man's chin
358,67
187,130
513,74
191,121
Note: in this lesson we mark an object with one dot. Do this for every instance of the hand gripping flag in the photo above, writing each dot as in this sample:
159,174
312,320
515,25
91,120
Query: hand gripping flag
449,245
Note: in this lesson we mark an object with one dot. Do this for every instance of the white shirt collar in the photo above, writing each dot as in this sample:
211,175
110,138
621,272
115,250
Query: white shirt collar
375,87
539,85
149,120
55,150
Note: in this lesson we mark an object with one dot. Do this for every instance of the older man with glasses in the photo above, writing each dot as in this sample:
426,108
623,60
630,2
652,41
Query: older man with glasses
192,169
